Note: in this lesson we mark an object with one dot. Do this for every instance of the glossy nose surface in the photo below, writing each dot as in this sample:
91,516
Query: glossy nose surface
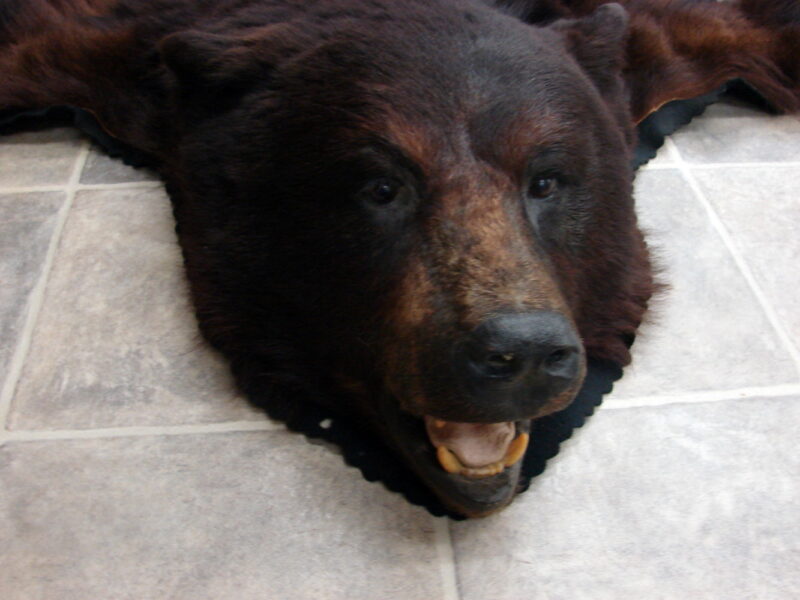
519,358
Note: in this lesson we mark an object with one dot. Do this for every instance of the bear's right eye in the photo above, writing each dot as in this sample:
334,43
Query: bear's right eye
542,187
382,191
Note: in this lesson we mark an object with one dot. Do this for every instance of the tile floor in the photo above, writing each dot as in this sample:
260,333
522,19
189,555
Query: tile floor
129,468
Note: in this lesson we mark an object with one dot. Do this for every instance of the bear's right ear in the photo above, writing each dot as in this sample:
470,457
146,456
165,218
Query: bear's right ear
598,42
205,59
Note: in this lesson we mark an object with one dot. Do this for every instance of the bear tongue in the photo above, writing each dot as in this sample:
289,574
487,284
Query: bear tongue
475,444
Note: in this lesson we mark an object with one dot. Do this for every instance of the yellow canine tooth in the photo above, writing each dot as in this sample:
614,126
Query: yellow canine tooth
516,450
448,460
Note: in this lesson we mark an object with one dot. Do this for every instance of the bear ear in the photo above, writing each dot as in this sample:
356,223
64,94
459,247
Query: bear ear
598,43
205,59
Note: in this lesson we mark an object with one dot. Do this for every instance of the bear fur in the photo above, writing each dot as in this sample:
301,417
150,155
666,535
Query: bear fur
360,185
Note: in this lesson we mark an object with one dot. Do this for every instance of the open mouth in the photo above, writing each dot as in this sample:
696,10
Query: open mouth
473,468
476,450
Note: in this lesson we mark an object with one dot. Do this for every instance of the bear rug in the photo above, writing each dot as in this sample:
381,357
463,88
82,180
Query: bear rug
408,226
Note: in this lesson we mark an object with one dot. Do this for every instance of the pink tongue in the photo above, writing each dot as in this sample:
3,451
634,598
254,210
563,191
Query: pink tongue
475,444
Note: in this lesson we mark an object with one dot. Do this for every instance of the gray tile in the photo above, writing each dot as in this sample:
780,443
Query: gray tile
27,222
740,139
116,343
233,516
100,168
38,158
669,502
761,210
730,107
707,331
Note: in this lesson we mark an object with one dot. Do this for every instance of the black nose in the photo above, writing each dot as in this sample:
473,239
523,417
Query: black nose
517,361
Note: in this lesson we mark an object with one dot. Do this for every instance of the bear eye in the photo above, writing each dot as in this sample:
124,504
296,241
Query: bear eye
382,191
542,187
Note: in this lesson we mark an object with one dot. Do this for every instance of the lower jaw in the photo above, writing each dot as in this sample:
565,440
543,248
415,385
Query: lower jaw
480,497
463,495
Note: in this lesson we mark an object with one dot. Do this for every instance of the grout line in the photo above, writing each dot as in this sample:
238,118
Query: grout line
671,162
142,431
441,526
657,166
121,186
77,186
700,166
739,165
33,189
744,269
36,298
776,391
672,150
447,562
676,164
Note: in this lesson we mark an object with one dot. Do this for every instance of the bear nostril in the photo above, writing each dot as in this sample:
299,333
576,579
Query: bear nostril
500,364
556,357
559,360
500,359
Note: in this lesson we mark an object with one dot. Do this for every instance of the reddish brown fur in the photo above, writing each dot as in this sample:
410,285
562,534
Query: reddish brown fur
679,49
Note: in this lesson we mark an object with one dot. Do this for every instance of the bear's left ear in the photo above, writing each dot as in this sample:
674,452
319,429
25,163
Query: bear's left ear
598,43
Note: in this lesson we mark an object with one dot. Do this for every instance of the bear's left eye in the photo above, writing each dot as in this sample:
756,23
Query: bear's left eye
382,191
542,187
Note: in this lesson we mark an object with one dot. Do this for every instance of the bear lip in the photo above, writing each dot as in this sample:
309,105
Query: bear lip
475,449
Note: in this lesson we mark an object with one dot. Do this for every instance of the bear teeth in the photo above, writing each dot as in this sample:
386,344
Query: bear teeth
451,464
516,450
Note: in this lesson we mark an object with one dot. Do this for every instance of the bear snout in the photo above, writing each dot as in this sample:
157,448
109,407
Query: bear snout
511,362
